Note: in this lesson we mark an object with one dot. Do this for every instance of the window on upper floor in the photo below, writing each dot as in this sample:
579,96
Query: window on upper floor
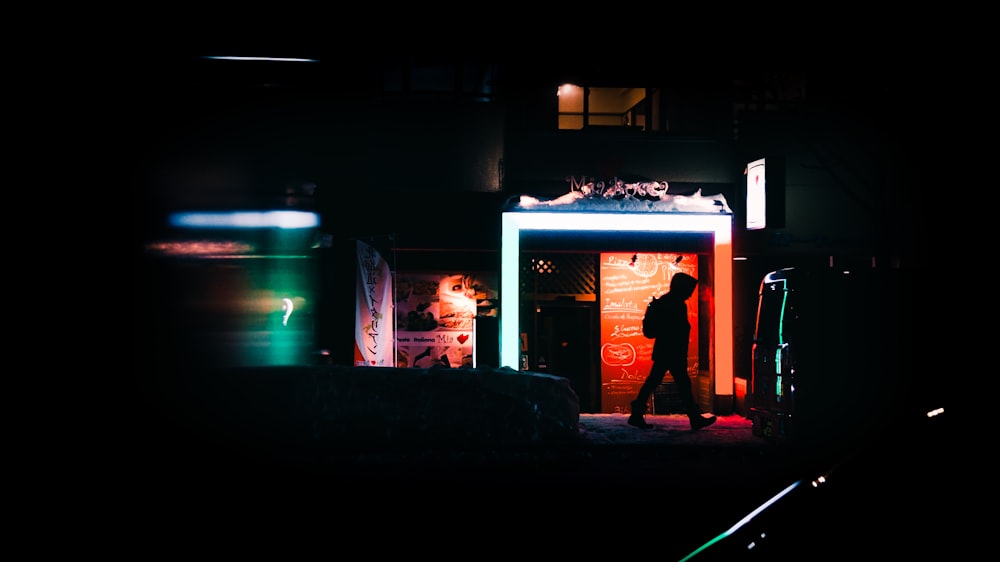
602,107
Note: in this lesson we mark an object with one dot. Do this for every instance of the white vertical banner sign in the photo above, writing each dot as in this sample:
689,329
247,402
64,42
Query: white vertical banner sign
373,331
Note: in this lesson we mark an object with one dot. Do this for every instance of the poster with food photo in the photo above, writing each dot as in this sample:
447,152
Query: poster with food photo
435,318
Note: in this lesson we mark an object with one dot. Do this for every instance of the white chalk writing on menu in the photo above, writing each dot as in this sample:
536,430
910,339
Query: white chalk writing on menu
628,282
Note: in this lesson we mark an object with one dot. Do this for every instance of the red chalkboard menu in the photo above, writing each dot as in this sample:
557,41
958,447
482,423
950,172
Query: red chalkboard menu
628,282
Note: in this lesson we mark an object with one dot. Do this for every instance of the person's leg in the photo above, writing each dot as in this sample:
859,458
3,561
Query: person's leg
653,379
682,382
686,392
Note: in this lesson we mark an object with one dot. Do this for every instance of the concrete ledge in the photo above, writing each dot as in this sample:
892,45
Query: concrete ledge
333,409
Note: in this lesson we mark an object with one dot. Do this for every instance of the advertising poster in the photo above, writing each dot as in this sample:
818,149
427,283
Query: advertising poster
628,282
373,326
434,318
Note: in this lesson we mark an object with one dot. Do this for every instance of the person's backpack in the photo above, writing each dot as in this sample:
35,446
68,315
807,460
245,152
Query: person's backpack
652,321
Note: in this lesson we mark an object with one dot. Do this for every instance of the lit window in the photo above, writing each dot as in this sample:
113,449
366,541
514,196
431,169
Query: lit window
581,107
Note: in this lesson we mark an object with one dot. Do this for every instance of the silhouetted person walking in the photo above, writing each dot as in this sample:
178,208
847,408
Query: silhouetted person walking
667,321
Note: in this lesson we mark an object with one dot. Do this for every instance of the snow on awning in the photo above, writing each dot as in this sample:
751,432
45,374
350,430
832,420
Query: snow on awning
643,197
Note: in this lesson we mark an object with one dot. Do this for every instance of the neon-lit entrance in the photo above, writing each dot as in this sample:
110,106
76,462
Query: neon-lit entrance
582,217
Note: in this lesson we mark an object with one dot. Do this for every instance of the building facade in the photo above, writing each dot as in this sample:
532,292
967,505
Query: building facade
419,156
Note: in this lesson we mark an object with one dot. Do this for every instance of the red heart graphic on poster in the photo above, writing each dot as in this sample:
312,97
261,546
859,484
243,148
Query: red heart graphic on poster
463,338
373,361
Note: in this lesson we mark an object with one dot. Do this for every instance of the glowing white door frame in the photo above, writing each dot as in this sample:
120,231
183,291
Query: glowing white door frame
719,225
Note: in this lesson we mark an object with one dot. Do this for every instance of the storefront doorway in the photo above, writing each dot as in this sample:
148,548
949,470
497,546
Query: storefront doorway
557,228
562,344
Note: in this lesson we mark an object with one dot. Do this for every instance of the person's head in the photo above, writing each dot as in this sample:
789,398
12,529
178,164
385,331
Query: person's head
683,284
